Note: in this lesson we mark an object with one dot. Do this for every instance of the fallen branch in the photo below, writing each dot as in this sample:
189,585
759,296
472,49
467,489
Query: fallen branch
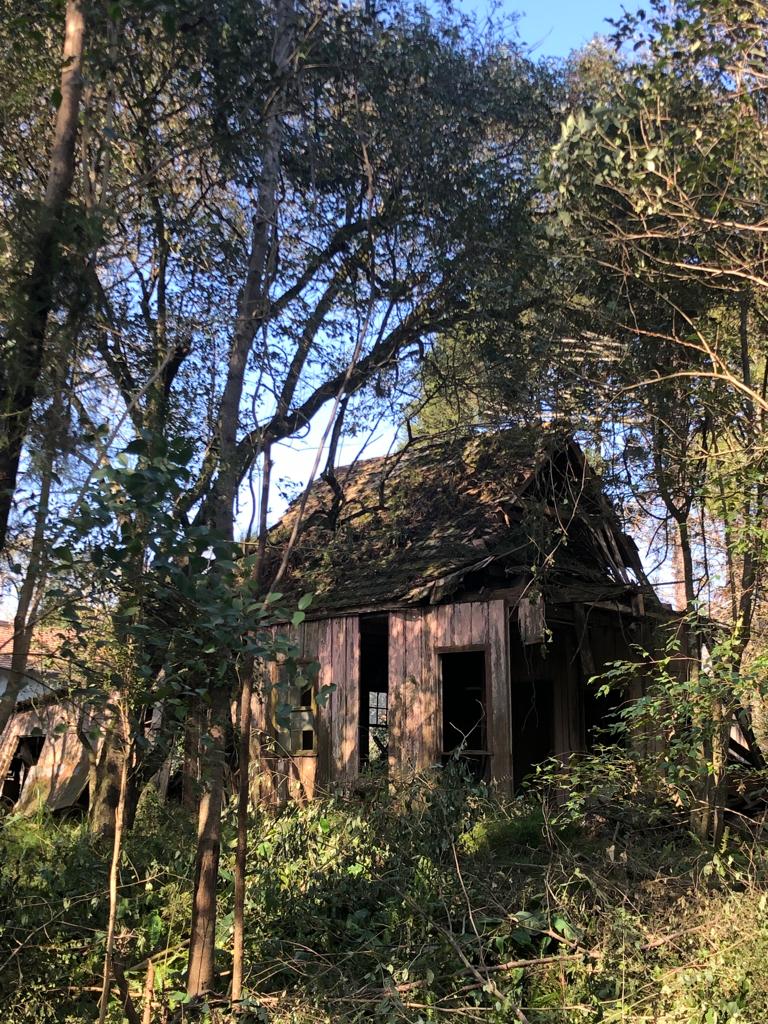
509,965
662,940
129,1010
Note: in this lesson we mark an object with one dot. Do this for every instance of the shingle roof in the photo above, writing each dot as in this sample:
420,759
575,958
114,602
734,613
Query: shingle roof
415,526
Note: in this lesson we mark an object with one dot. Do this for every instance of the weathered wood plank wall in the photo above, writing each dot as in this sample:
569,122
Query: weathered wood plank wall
282,772
344,704
61,773
417,638
499,704
414,728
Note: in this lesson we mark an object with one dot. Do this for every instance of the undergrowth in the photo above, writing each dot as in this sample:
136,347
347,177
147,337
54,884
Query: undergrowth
438,901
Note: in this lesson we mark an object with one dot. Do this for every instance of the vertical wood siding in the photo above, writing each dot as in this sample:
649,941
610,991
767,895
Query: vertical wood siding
413,699
499,703
344,705
417,637
320,648
286,774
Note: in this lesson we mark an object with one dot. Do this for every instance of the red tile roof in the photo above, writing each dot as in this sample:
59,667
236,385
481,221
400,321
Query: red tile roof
46,642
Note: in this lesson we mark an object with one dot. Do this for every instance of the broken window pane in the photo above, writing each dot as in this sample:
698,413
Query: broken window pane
377,708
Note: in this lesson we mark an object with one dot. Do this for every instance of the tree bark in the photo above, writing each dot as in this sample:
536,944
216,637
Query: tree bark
19,377
190,771
26,610
202,942
108,790
24,620
149,992
253,307
244,780
241,852
114,869
699,815
254,303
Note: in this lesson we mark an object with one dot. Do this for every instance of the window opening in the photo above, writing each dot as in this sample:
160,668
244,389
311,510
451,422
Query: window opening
374,691
27,755
299,730
464,712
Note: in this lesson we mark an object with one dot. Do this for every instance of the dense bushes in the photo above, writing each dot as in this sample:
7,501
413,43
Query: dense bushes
54,908
435,902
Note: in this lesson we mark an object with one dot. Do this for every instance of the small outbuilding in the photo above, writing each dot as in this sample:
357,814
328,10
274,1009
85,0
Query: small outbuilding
43,760
465,591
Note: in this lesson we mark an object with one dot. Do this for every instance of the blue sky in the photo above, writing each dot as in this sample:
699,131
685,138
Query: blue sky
555,27
552,28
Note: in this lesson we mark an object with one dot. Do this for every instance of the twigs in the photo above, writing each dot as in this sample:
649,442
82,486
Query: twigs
468,902
114,871
536,961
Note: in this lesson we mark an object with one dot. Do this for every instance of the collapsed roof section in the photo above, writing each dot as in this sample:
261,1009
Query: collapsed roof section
443,516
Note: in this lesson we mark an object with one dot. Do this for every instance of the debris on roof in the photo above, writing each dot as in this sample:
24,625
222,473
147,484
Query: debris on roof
416,526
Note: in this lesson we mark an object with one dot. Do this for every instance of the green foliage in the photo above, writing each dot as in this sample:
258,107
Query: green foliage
403,906
643,235
52,929
183,602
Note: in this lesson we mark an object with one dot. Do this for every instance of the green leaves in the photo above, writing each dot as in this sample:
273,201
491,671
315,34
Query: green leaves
323,694
183,605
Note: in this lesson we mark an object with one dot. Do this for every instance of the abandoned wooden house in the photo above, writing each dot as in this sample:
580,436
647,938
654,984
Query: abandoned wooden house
464,594
42,757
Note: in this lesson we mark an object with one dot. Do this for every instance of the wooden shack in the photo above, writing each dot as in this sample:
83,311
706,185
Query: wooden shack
465,591
43,761
42,757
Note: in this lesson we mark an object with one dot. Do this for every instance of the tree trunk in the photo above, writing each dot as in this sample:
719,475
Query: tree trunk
20,374
718,791
37,566
707,815
202,942
108,791
253,307
244,780
190,770
22,638
241,853
114,869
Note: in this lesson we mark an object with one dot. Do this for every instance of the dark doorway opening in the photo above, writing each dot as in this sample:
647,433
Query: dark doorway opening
464,719
27,754
374,691
533,721
609,639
